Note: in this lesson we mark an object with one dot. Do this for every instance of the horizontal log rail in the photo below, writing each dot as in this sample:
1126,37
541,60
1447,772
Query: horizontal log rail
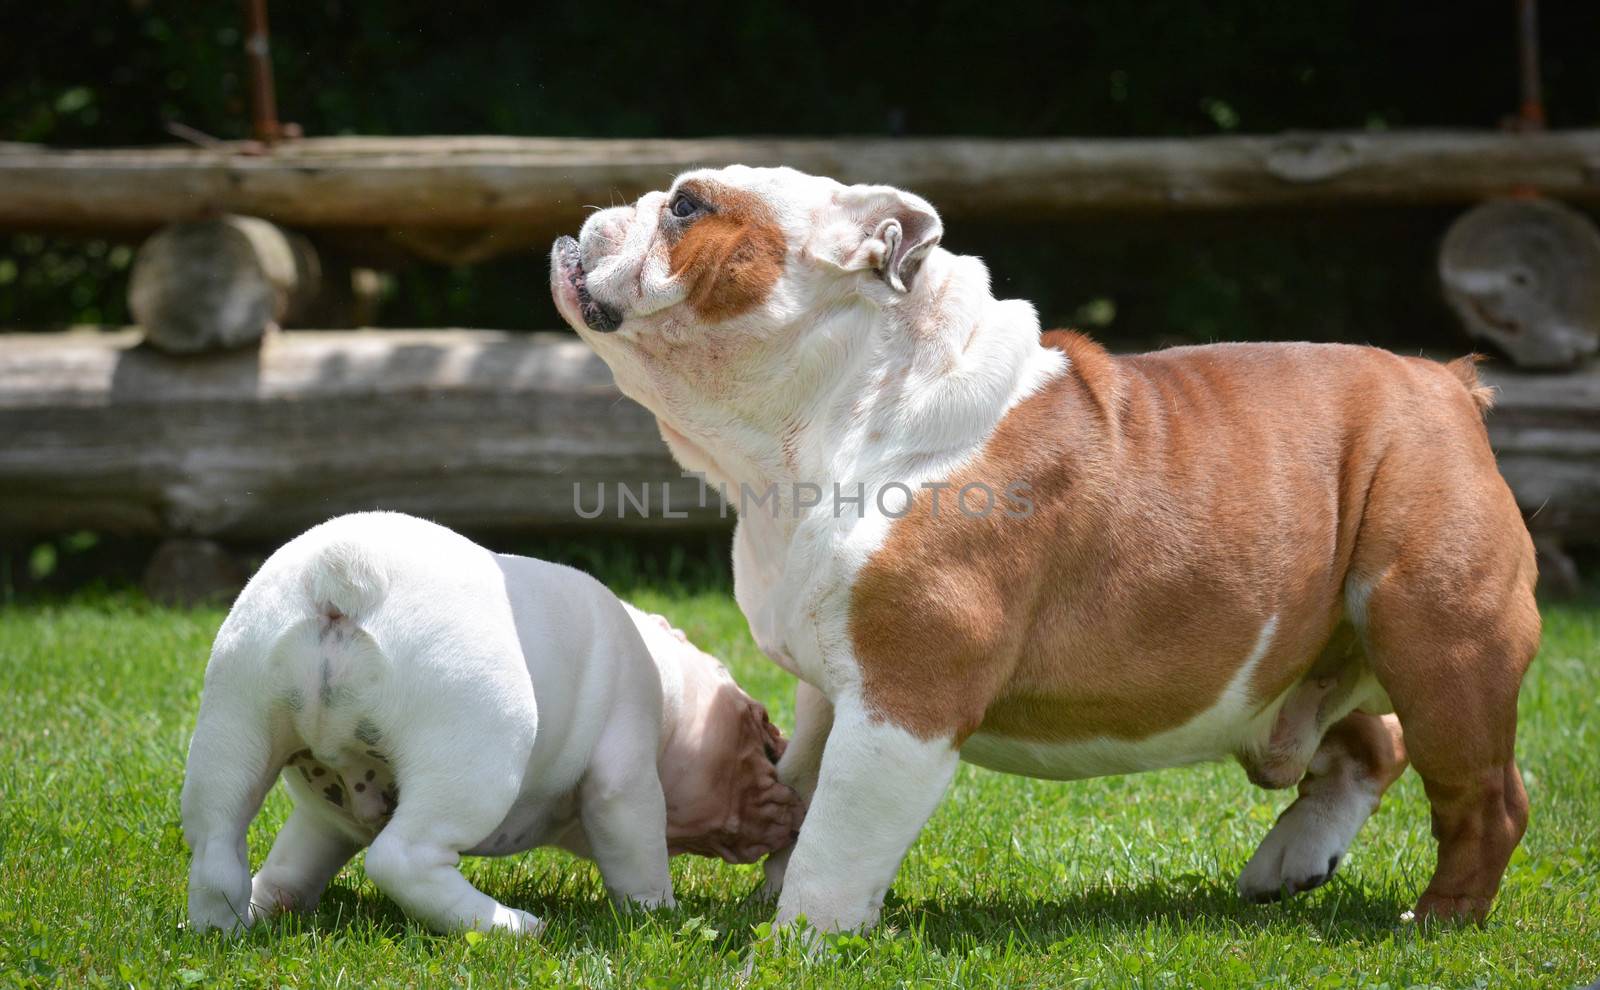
478,429
471,428
503,184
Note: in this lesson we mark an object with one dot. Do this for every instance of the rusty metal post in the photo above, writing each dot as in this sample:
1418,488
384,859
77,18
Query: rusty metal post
1531,113
263,99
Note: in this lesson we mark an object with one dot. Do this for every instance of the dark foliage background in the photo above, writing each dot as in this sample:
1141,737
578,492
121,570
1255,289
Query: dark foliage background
114,72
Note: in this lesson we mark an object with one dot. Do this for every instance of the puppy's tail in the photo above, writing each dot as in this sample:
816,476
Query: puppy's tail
1465,370
336,667
346,580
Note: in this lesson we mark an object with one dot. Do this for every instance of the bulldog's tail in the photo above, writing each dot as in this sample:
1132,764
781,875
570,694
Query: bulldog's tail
336,665
346,580
1465,369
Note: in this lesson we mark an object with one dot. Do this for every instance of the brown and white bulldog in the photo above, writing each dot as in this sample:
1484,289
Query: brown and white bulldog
1027,553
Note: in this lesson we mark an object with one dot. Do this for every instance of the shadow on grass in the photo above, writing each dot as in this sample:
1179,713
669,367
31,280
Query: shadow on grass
578,919
1339,912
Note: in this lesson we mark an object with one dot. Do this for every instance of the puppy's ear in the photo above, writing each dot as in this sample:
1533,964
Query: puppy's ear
894,231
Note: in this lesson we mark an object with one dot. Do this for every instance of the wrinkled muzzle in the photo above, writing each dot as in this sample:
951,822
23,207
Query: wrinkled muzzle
569,286
733,806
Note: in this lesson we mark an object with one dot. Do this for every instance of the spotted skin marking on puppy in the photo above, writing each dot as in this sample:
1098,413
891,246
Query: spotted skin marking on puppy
364,791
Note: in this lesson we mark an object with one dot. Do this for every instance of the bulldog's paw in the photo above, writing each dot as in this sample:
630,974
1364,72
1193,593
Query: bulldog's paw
268,899
1443,909
1303,849
210,910
653,900
773,869
219,891
507,919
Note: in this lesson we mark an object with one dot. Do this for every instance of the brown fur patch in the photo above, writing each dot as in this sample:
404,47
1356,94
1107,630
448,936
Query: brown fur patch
730,258
1182,499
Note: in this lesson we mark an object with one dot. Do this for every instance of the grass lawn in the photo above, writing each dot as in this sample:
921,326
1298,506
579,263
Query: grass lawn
1121,882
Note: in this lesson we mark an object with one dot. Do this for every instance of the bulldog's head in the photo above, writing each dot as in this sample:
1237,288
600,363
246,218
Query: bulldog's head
719,757
709,286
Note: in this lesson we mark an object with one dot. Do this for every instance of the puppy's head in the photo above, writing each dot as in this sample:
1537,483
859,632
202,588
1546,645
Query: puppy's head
726,267
719,767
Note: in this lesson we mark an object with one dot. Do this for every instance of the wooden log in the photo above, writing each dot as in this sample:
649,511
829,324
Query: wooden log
1545,429
483,430
1524,276
543,184
208,285
478,429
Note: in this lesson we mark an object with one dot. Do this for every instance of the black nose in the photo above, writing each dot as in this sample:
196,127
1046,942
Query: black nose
597,316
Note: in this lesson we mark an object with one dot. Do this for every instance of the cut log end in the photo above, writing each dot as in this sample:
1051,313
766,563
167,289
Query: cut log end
219,284
1523,275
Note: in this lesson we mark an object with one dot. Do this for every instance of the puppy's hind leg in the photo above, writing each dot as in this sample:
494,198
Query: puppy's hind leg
231,766
457,778
305,856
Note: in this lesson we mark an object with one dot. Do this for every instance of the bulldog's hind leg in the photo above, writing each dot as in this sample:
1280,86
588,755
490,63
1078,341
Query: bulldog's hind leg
457,780
1357,760
1451,658
307,853
231,766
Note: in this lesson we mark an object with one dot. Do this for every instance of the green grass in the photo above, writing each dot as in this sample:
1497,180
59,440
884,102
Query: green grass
1122,882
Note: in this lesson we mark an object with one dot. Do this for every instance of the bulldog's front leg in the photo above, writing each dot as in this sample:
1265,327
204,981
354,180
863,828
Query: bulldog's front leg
799,767
624,815
877,786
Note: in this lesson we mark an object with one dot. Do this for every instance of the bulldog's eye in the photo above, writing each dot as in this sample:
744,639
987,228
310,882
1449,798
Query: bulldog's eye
683,206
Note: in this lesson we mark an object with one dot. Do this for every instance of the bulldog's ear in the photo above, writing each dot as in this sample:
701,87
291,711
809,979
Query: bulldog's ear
895,232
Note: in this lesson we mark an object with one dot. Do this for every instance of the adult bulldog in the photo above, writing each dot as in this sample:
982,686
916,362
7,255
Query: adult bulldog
427,699
1300,556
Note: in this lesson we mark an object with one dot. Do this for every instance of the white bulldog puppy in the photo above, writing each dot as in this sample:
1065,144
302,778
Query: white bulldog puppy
427,699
